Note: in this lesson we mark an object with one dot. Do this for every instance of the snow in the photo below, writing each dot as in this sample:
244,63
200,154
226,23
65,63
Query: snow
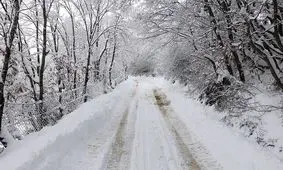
231,149
66,133
129,129
272,121
152,148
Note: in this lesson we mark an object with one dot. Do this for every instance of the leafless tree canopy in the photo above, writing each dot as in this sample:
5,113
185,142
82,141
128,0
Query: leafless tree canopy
56,54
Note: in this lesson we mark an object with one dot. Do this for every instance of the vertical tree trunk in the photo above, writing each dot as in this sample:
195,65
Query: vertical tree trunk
55,36
42,65
111,64
10,38
238,65
74,52
61,87
218,36
273,72
87,73
226,10
37,37
97,62
276,23
104,74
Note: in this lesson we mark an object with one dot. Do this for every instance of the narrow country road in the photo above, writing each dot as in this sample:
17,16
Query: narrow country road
140,132
144,124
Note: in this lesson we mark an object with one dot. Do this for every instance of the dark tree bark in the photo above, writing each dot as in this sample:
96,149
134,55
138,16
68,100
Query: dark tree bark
74,53
258,50
45,11
7,56
42,64
218,36
60,83
97,62
213,65
277,26
226,10
87,74
37,37
112,63
44,51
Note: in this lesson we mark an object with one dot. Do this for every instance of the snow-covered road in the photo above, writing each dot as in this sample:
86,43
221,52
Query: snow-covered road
144,124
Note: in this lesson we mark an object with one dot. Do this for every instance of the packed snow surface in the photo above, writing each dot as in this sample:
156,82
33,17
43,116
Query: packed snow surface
144,124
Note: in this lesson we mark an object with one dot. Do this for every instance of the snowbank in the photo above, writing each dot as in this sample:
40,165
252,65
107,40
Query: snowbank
67,132
226,145
232,150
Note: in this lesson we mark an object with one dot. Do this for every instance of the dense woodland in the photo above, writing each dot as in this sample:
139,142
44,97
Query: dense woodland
55,53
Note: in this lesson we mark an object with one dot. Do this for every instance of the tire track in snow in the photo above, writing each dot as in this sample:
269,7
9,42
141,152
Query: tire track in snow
120,148
84,148
194,155
117,148
190,162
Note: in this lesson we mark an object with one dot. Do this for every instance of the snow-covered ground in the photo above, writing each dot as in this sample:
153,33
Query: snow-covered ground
144,124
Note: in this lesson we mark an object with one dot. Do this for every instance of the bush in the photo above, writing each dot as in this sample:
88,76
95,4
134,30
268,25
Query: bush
226,94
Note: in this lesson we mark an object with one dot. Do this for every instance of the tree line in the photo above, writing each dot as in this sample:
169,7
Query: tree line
50,47
239,38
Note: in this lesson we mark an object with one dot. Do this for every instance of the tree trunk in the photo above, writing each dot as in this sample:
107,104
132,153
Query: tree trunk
97,63
226,10
42,65
7,56
74,54
277,26
87,73
218,37
37,37
265,58
61,87
111,64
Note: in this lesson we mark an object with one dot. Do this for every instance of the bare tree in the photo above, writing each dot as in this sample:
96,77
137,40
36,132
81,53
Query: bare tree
92,14
46,7
9,26
68,6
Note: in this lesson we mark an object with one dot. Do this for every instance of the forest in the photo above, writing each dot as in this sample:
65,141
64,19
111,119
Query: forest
58,54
